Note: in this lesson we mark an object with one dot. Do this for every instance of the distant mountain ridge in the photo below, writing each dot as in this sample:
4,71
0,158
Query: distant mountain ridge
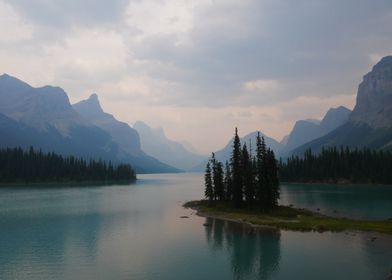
224,154
305,131
155,143
122,134
44,118
125,136
370,123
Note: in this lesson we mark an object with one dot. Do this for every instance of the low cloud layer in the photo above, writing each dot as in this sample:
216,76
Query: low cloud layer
199,68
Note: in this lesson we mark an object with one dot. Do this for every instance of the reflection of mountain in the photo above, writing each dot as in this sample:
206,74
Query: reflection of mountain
251,253
377,249
48,228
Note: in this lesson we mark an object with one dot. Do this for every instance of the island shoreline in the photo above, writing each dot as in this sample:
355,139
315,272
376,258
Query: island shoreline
299,220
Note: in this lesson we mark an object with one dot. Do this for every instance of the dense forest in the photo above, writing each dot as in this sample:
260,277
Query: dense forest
337,165
19,166
247,180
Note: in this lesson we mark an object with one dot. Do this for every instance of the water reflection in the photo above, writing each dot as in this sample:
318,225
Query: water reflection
254,254
355,201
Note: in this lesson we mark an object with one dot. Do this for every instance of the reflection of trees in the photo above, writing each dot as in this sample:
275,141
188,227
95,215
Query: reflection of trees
378,252
254,254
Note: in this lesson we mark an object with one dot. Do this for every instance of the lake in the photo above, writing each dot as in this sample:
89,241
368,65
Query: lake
135,232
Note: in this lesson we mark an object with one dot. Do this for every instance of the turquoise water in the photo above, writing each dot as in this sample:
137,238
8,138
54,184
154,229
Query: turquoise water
354,201
135,232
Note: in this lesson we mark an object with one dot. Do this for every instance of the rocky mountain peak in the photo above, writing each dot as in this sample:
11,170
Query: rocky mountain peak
374,98
335,117
90,106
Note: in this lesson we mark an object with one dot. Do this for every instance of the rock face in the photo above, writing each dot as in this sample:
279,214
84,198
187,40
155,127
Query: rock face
374,98
305,131
370,123
155,143
42,108
44,118
122,134
334,118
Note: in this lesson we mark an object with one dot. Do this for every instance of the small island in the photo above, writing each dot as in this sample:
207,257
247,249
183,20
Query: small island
248,192
286,217
18,166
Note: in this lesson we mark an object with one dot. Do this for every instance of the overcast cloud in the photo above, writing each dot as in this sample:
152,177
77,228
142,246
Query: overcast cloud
199,68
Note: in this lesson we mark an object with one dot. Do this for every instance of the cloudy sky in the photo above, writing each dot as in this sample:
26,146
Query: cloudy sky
199,68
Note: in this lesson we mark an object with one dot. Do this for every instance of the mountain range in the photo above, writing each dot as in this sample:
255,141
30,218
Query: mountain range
155,143
44,118
305,131
224,154
370,123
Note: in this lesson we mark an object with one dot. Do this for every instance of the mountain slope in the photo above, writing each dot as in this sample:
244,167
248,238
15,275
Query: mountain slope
122,134
125,136
370,123
305,131
155,143
44,118
224,154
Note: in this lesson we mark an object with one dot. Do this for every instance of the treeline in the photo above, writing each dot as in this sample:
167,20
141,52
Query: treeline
19,166
336,165
246,180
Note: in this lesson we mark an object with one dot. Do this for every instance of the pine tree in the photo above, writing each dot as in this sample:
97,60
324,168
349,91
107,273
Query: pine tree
236,170
208,191
213,162
247,173
228,182
217,178
218,181
261,174
275,191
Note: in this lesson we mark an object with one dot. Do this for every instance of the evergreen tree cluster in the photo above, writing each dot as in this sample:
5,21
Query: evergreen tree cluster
339,165
246,180
17,165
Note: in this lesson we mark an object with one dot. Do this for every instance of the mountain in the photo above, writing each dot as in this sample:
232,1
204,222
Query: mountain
334,118
284,140
370,123
305,131
224,154
122,134
155,143
44,118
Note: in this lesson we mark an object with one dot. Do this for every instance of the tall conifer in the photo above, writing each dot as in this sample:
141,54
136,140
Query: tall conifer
208,191
247,176
236,170
228,182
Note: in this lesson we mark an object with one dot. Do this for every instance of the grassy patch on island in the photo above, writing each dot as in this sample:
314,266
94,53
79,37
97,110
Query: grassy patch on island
284,217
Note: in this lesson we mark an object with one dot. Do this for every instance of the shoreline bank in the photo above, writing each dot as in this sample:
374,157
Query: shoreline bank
288,218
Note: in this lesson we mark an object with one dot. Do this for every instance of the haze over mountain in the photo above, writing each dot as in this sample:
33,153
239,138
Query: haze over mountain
44,118
224,154
124,135
305,131
370,123
155,143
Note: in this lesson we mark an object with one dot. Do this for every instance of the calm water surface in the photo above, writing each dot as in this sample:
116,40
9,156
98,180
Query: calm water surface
135,232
